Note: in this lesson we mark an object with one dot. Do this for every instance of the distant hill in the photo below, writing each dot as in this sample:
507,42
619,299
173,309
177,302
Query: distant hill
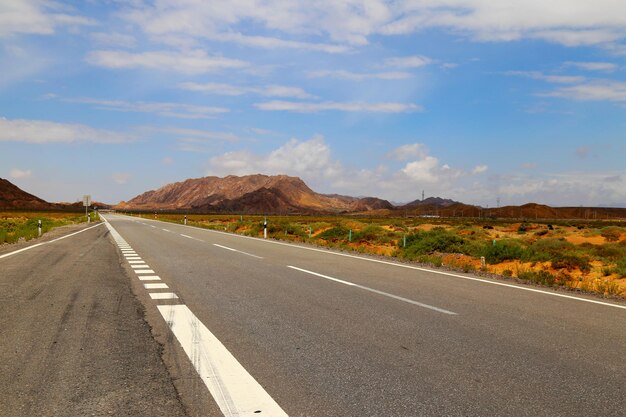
249,194
13,197
432,202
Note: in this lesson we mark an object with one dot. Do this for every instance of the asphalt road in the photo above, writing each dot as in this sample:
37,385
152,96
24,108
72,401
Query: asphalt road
322,334
73,339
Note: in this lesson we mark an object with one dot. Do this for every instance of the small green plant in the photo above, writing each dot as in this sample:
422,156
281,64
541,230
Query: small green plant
538,277
611,233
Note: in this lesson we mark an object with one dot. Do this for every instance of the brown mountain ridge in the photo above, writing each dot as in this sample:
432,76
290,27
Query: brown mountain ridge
249,194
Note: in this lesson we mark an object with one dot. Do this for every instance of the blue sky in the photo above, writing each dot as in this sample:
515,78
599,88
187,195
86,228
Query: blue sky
473,100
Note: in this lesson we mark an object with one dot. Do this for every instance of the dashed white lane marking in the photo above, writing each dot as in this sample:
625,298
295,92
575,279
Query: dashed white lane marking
238,251
136,262
133,258
192,238
150,278
46,243
235,391
158,286
396,297
163,296
144,271
139,266
165,230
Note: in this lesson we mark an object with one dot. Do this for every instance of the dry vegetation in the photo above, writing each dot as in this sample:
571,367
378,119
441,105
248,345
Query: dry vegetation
16,225
588,256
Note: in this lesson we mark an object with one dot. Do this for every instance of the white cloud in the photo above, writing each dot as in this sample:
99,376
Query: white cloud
36,17
339,106
120,177
177,110
409,151
19,174
309,159
167,161
558,79
423,170
359,76
479,169
41,131
595,90
415,61
592,66
344,25
234,90
207,135
188,62
113,39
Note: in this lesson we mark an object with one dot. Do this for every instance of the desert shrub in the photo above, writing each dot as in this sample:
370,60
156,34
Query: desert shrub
503,250
609,251
541,232
538,277
336,233
611,233
547,249
430,259
507,273
620,268
370,233
570,262
436,240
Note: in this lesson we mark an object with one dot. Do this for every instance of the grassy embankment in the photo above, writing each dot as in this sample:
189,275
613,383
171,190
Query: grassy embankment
16,225
589,256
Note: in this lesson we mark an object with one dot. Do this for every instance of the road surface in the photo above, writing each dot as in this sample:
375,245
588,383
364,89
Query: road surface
331,335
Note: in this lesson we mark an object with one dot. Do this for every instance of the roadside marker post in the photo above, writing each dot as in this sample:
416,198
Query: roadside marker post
310,232
39,227
88,218
404,241
350,236
185,221
265,228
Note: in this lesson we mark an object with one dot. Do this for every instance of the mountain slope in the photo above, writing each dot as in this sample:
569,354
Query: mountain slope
13,197
251,193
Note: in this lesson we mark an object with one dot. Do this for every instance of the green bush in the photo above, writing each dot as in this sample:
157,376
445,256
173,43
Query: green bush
504,250
538,277
436,240
336,233
611,233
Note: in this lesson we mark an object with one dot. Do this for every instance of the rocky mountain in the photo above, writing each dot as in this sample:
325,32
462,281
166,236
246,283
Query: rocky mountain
249,194
13,197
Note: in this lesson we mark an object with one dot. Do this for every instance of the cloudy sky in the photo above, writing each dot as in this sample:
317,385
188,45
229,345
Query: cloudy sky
475,100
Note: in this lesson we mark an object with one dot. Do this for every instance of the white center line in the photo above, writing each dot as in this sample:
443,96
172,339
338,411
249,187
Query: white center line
238,251
236,392
406,300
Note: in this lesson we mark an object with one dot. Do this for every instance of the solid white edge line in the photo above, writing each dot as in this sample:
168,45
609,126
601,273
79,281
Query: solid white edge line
386,294
235,391
50,241
416,268
238,251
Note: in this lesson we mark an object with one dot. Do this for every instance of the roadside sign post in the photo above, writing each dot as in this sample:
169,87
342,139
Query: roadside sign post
87,203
